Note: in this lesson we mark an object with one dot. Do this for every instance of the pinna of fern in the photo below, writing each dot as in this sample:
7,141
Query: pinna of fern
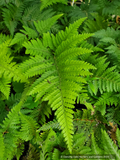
103,85
15,129
8,68
61,75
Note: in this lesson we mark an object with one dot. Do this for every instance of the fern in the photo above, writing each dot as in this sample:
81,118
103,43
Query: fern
118,136
105,79
46,3
110,147
109,39
44,26
9,129
28,126
52,124
41,27
57,76
96,24
33,153
56,154
11,15
96,150
60,69
2,147
8,69
40,112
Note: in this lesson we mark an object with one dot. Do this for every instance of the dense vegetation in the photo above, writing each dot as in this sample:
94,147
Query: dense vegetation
59,79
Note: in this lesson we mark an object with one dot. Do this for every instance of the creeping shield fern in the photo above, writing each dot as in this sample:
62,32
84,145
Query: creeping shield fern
59,74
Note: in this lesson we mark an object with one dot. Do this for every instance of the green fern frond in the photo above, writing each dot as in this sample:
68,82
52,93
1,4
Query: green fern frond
109,81
92,26
111,7
57,83
61,37
56,154
52,124
2,146
102,3
45,111
79,141
19,37
19,150
4,85
10,128
109,32
46,3
95,149
70,32
8,69
48,145
35,47
118,136
4,38
105,78
30,32
44,26
113,112
11,15
106,99
32,13
109,145
2,2
28,126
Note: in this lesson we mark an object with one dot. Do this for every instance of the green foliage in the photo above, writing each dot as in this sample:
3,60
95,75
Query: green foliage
51,62
55,81
46,3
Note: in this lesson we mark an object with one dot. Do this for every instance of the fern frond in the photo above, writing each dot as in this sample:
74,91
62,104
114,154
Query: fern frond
56,154
60,76
44,26
71,42
109,145
19,37
28,126
106,99
32,13
50,142
8,69
2,2
109,32
11,15
52,124
79,141
10,128
95,149
46,3
104,79
118,136
2,146
4,85
70,32
30,32
45,111
92,26
35,47
4,38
